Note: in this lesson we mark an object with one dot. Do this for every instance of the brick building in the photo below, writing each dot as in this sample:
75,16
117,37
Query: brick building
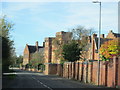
62,37
29,50
91,52
92,48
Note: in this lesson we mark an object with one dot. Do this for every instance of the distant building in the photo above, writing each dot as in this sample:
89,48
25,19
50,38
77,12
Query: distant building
29,50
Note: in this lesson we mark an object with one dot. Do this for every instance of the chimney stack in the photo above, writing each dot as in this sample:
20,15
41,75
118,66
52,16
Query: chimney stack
111,31
43,44
94,35
36,45
102,36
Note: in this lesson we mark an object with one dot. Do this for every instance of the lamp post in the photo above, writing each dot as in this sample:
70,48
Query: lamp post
98,73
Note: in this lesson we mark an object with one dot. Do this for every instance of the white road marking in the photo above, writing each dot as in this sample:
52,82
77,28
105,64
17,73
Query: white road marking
25,73
42,84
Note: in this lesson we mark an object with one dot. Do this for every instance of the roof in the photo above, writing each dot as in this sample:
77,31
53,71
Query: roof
33,49
102,40
117,34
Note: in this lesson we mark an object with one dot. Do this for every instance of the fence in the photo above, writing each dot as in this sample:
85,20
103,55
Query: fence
87,72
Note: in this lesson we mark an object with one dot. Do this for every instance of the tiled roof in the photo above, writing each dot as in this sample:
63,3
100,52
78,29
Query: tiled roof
116,34
102,40
33,49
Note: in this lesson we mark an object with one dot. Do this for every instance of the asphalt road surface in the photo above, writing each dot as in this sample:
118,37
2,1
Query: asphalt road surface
28,79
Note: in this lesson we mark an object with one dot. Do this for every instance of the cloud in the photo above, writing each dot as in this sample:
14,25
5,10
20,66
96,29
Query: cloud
88,15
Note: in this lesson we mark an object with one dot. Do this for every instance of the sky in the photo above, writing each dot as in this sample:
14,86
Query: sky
34,21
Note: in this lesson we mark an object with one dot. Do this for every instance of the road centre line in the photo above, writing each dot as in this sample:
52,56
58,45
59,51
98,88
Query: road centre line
42,84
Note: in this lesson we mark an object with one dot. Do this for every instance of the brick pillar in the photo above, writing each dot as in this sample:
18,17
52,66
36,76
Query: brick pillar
89,72
94,72
118,72
115,67
70,71
64,70
103,73
46,72
85,70
59,69
80,71
72,65
76,70
73,70
110,75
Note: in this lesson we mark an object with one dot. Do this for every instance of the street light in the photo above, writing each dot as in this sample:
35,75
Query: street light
98,73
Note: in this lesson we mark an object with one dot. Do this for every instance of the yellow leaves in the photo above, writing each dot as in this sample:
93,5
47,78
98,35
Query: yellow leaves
110,48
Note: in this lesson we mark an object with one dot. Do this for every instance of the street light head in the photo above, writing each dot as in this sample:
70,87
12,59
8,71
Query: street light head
96,1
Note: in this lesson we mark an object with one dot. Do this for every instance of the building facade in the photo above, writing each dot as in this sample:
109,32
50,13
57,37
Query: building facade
29,50
51,46
92,52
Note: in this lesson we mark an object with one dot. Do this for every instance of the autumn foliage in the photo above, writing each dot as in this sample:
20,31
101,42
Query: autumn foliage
109,49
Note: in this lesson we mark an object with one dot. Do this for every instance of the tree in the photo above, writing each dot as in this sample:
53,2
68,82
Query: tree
57,45
19,60
71,51
109,49
58,48
8,51
81,36
37,58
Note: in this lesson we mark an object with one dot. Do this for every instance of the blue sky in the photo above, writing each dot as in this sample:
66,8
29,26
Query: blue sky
36,20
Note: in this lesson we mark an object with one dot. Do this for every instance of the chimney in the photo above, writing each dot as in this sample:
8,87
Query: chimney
36,44
102,36
94,36
43,44
111,31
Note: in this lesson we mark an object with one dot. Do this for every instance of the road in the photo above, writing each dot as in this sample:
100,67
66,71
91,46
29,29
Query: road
28,79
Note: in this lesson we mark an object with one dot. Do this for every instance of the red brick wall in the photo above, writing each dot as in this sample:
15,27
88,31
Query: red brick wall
60,69
50,69
109,72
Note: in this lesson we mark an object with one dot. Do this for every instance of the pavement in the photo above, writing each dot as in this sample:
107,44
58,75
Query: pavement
29,79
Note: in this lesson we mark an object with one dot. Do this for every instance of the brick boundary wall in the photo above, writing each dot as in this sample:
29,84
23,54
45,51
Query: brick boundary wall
109,72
